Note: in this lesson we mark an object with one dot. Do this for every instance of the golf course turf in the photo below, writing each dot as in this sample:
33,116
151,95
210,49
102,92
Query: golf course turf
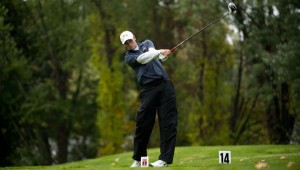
196,158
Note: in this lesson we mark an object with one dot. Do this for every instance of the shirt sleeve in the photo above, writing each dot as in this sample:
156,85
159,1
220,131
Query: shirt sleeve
148,56
162,57
130,59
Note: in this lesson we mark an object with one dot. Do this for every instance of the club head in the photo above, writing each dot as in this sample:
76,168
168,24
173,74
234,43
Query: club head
232,8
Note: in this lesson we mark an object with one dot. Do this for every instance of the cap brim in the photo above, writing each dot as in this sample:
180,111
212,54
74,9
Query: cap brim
123,42
127,38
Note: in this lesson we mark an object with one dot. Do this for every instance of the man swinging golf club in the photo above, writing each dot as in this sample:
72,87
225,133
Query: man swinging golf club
157,95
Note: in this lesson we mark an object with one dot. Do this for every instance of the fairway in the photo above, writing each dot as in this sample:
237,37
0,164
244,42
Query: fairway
197,158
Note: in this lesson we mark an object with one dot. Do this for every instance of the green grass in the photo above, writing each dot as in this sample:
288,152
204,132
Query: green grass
195,158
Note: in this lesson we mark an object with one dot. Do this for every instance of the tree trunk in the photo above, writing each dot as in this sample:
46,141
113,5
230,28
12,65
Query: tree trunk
280,122
62,143
287,120
236,107
44,147
109,31
202,69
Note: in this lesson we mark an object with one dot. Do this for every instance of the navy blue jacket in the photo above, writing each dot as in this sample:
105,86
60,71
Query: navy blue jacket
149,72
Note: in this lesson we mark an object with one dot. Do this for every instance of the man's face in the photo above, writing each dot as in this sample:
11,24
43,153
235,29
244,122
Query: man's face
131,44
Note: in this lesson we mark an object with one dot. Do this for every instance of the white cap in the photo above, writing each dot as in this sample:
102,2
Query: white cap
126,35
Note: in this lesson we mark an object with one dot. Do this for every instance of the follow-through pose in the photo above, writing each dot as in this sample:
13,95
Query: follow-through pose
157,95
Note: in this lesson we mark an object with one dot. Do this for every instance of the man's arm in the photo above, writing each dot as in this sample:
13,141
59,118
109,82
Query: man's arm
148,56
153,54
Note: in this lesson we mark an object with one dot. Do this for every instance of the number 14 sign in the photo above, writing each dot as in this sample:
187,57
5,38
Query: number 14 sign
224,157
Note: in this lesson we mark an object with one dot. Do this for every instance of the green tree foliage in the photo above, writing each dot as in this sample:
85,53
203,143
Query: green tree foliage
263,80
202,81
112,120
55,86
13,74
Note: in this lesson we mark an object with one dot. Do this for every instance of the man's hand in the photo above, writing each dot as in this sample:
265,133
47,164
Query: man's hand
165,52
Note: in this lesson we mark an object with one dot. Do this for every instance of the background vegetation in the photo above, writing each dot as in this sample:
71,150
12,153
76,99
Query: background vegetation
66,93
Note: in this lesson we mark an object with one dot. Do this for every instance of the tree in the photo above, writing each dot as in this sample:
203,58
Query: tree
202,81
57,105
13,85
112,121
263,35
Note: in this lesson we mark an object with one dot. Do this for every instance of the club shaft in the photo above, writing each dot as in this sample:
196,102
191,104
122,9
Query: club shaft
173,49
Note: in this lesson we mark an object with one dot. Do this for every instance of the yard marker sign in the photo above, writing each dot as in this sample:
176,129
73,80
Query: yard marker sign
224,157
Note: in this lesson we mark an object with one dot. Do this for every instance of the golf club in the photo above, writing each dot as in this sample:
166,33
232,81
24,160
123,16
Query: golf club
231,7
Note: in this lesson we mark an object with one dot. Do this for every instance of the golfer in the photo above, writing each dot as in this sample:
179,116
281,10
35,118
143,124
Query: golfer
157,95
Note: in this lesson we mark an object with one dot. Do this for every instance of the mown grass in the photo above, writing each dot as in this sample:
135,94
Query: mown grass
278,157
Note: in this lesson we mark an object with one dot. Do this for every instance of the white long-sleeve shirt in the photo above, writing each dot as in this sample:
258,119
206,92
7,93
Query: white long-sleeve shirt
150,55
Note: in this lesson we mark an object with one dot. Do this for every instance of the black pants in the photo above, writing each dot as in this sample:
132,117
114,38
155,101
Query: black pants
158,98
